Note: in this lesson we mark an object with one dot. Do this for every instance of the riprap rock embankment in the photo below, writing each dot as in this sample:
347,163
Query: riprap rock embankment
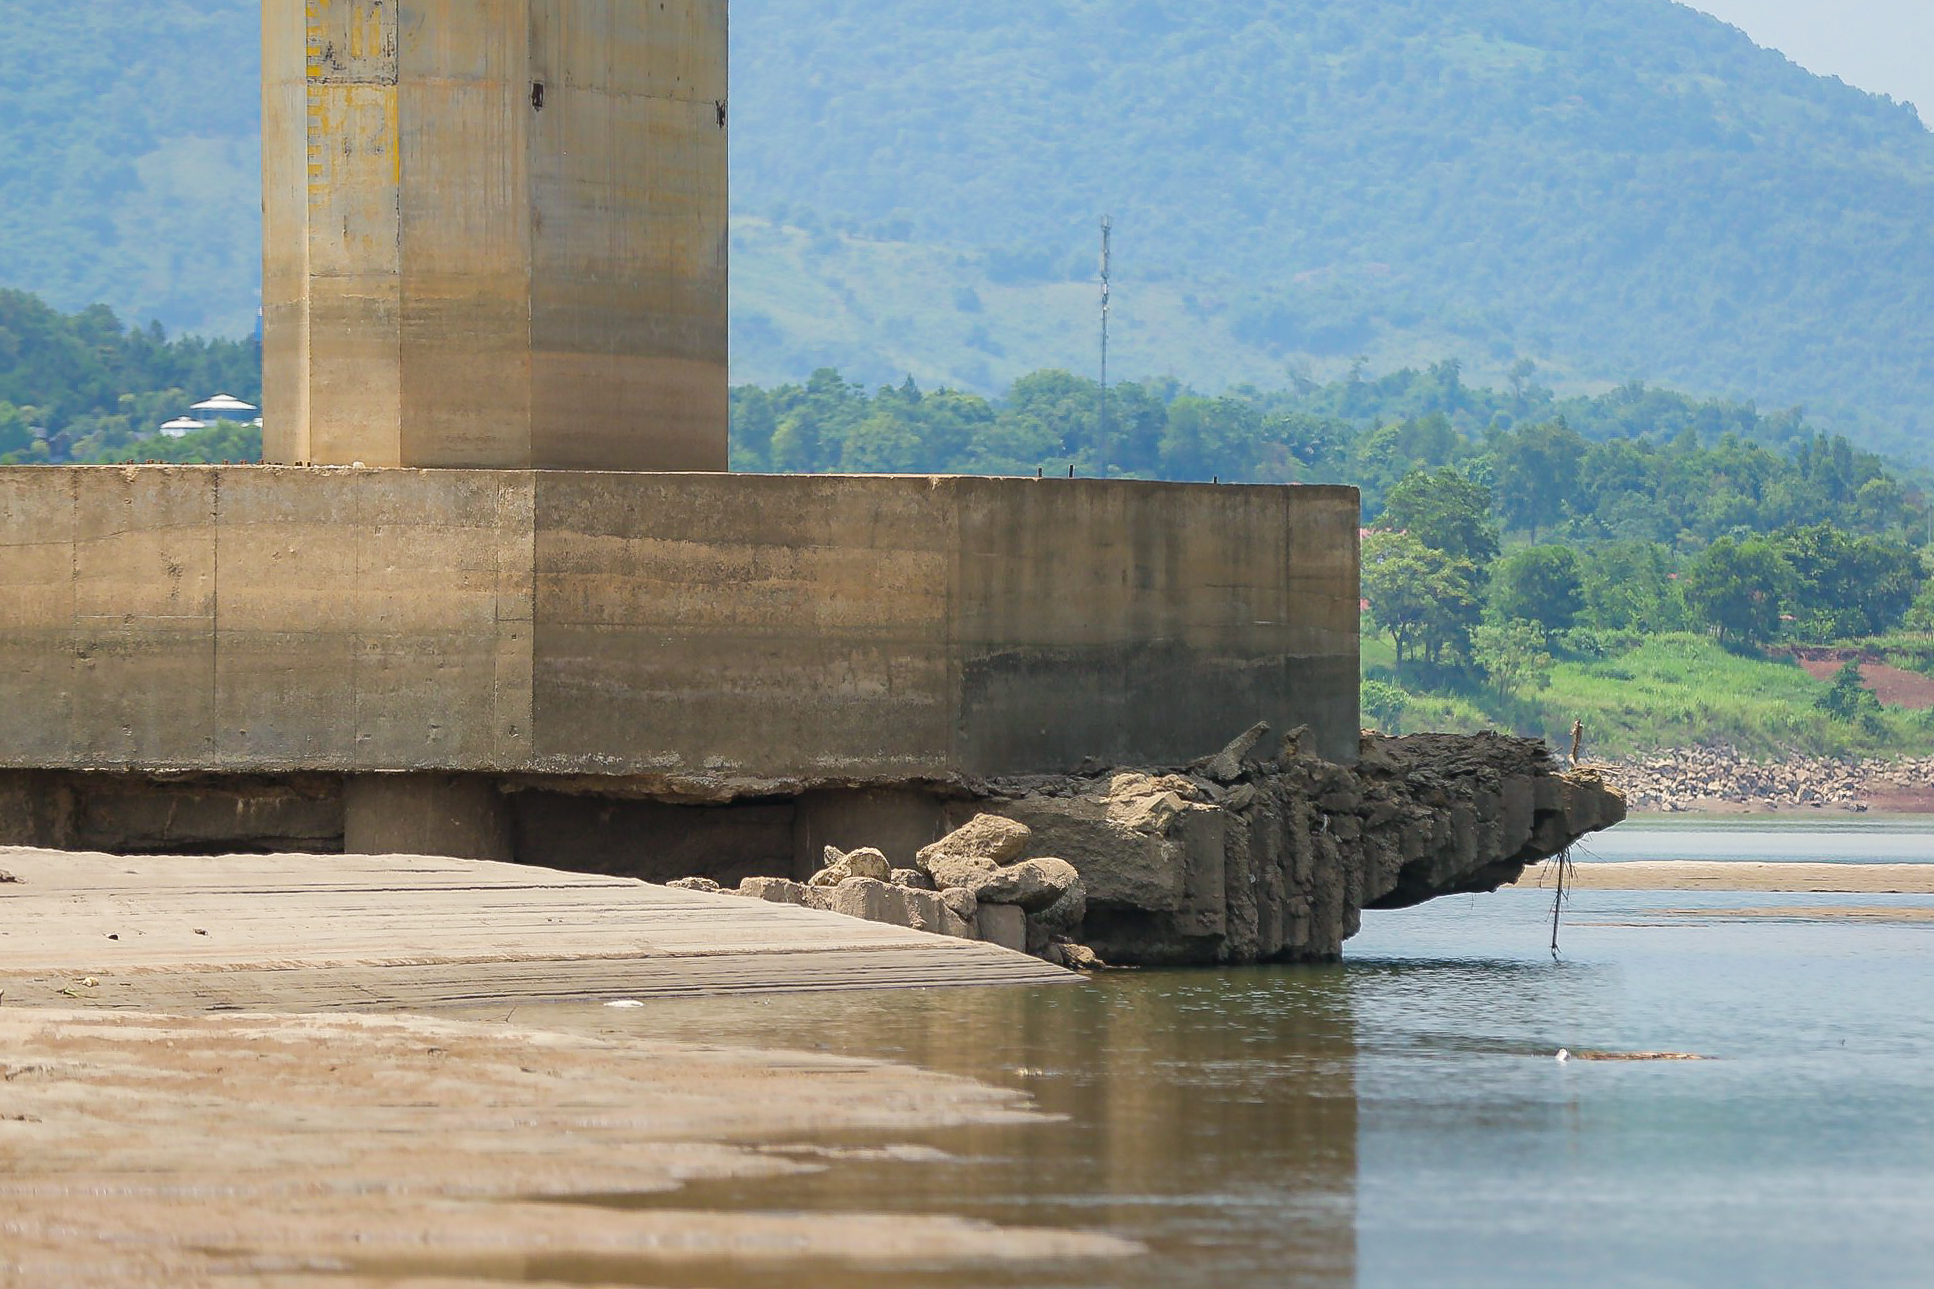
1723,779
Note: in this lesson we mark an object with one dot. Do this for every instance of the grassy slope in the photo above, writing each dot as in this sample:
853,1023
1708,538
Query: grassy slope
1678,691
1672,691
881,310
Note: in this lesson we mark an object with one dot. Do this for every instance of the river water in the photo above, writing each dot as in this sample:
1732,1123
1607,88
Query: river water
1401,1121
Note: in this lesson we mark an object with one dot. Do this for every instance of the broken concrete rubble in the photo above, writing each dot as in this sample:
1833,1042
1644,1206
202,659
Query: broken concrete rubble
1032,885
962,874
1004,925
961,902
866,862
987,837
1226,766
1277,862
1240,861
1065,915
1029,906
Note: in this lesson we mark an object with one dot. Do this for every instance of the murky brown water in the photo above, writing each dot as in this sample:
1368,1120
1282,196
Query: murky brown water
1157,1076
1401,1121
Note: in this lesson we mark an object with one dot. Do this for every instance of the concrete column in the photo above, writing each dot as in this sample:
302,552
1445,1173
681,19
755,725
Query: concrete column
453,815
495,233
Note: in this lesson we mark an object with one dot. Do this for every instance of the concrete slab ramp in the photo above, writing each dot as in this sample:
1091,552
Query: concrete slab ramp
312,933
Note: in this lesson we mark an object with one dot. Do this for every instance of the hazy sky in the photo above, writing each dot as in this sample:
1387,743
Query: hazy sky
1886,46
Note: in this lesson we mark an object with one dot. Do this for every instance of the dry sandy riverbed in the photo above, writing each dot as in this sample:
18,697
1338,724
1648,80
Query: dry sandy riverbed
144,1145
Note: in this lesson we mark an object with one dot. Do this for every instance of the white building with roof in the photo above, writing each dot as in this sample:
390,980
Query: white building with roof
225,407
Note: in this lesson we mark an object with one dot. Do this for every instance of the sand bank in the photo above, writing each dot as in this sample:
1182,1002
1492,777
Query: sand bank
1798,879
1809,913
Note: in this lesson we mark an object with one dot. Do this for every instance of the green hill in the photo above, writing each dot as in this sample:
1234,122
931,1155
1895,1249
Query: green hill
1612,189
130,158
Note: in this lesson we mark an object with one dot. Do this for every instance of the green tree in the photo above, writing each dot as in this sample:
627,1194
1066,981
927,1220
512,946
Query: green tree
812,429
1446,510
1537,474
1848,697
1049,420
1845,585
1740,589
15,433
1383,705
1633,586
1920,617
1541,585
1211,437
753,424
1514,655
883,443
235,441
1427,599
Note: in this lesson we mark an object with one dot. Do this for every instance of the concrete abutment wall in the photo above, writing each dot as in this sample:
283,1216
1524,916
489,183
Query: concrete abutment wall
654,675
694,637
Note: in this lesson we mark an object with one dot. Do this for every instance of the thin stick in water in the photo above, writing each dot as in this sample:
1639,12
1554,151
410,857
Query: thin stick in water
1558,904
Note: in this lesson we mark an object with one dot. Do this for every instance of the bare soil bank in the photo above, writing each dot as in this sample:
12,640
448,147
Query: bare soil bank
1893,686
1797,879
350,1151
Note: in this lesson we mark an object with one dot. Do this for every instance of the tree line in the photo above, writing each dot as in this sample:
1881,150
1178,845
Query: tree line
86,387
1633,464
1505,527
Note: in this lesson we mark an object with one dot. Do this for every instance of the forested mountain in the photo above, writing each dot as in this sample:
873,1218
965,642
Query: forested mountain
1612,189
130,158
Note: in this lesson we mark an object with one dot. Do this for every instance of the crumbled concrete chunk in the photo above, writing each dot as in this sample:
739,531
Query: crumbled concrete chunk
987,837
1033,885
859,863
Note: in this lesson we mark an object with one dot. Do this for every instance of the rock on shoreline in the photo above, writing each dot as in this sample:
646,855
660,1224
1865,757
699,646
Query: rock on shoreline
1722,778
955,889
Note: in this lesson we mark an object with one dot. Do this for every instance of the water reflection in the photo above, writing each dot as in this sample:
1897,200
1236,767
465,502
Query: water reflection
1212,1116
1400,1121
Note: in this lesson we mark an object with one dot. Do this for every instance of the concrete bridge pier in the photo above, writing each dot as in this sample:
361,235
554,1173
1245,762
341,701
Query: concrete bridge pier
496,593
